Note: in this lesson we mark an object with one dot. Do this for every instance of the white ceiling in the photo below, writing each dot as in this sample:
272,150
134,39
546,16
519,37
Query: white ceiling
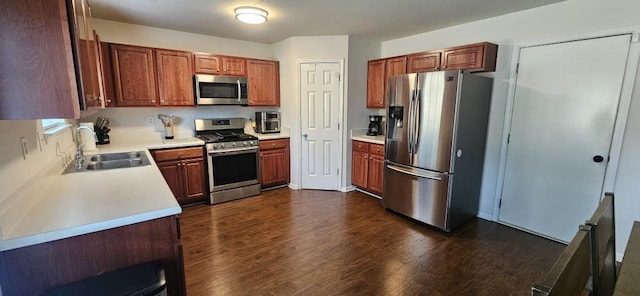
374,19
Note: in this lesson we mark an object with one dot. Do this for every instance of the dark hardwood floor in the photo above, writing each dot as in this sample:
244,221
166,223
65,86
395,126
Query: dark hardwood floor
307,242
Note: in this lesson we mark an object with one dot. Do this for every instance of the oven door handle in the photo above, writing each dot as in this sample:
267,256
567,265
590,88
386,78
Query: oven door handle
233,151
239,90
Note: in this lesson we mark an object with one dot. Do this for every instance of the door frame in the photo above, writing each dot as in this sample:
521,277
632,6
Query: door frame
619,123
340,62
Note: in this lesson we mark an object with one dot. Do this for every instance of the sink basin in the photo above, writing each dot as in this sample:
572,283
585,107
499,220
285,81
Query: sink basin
114,164
116,156
110,161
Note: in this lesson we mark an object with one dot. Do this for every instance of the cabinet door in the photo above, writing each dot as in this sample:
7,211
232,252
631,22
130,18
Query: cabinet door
272,167
423,62
107,75
172,173
175,72
37,67
474,57
359,169
375,84
194,178
134,75
263,78
234,66
207,64
396,66
376,172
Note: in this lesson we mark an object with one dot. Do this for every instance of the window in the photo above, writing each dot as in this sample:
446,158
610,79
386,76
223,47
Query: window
53,126
52,123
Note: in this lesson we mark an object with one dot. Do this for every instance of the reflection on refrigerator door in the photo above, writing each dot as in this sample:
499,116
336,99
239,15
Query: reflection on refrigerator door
426,193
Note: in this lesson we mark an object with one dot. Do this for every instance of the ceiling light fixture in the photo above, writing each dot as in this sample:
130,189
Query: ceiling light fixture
251,15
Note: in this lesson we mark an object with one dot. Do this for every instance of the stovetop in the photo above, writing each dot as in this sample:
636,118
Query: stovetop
222,136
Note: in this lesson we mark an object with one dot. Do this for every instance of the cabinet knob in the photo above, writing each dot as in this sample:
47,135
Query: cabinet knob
444,67
153,101
108,101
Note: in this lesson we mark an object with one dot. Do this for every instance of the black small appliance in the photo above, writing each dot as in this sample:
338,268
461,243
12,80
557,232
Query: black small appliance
375,125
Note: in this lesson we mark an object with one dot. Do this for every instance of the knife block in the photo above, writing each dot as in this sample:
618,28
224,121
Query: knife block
103,138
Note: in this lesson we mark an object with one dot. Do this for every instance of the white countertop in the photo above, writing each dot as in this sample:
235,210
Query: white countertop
361,135
85,202
284,133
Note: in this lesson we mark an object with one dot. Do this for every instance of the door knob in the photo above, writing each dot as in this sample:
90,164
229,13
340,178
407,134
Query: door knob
305,136
598,158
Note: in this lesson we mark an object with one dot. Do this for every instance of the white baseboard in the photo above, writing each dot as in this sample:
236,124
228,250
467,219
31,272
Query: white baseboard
368,193
294,186
347,189
485,216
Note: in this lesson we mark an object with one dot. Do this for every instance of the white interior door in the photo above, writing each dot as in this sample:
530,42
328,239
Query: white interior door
320,110
566,99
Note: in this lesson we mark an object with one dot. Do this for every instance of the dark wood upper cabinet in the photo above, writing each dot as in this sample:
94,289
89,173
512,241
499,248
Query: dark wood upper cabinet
396,66
263,78
107,75
378,73
220,65
175,71
423,62
46,64
478,57
375,83
133,75
474,57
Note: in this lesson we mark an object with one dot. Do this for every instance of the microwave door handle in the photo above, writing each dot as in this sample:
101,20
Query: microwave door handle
239,90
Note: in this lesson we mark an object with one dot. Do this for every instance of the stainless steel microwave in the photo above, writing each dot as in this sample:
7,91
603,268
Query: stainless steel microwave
220,90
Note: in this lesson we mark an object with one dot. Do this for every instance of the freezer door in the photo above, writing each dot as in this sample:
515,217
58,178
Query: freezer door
399,94
419,194
435,117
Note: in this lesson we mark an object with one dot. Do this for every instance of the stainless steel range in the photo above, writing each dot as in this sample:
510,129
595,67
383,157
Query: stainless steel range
233,158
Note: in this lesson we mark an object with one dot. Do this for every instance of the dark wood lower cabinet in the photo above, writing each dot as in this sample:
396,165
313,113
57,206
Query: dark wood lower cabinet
274,162
367,166
36,269
184,169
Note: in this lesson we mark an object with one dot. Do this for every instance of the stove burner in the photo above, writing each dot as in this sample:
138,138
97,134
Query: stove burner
219,137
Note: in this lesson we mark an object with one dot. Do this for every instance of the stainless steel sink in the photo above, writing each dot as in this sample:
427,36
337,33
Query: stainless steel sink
110,161
116,156
114,164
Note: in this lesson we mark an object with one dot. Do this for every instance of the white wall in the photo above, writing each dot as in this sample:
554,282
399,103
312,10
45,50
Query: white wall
288,52
567,20
110,31
42,158
356,115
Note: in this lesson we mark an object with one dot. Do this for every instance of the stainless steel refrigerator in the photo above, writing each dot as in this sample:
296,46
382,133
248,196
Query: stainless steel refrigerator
435,144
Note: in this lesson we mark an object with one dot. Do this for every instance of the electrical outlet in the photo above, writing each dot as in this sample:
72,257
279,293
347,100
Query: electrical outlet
150,120
24,146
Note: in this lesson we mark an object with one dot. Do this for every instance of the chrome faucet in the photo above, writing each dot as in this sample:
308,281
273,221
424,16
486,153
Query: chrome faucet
79,146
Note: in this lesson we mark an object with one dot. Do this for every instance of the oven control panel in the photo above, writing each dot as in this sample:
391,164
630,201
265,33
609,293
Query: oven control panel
231,145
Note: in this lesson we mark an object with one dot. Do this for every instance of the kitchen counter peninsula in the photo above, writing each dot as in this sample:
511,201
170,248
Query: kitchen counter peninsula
91,222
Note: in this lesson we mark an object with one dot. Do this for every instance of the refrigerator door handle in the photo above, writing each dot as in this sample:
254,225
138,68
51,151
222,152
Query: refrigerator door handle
410,125
416,121
416,172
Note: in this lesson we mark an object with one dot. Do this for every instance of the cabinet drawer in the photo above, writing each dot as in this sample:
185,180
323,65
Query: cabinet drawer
179,153
360,146
376,149
274,144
